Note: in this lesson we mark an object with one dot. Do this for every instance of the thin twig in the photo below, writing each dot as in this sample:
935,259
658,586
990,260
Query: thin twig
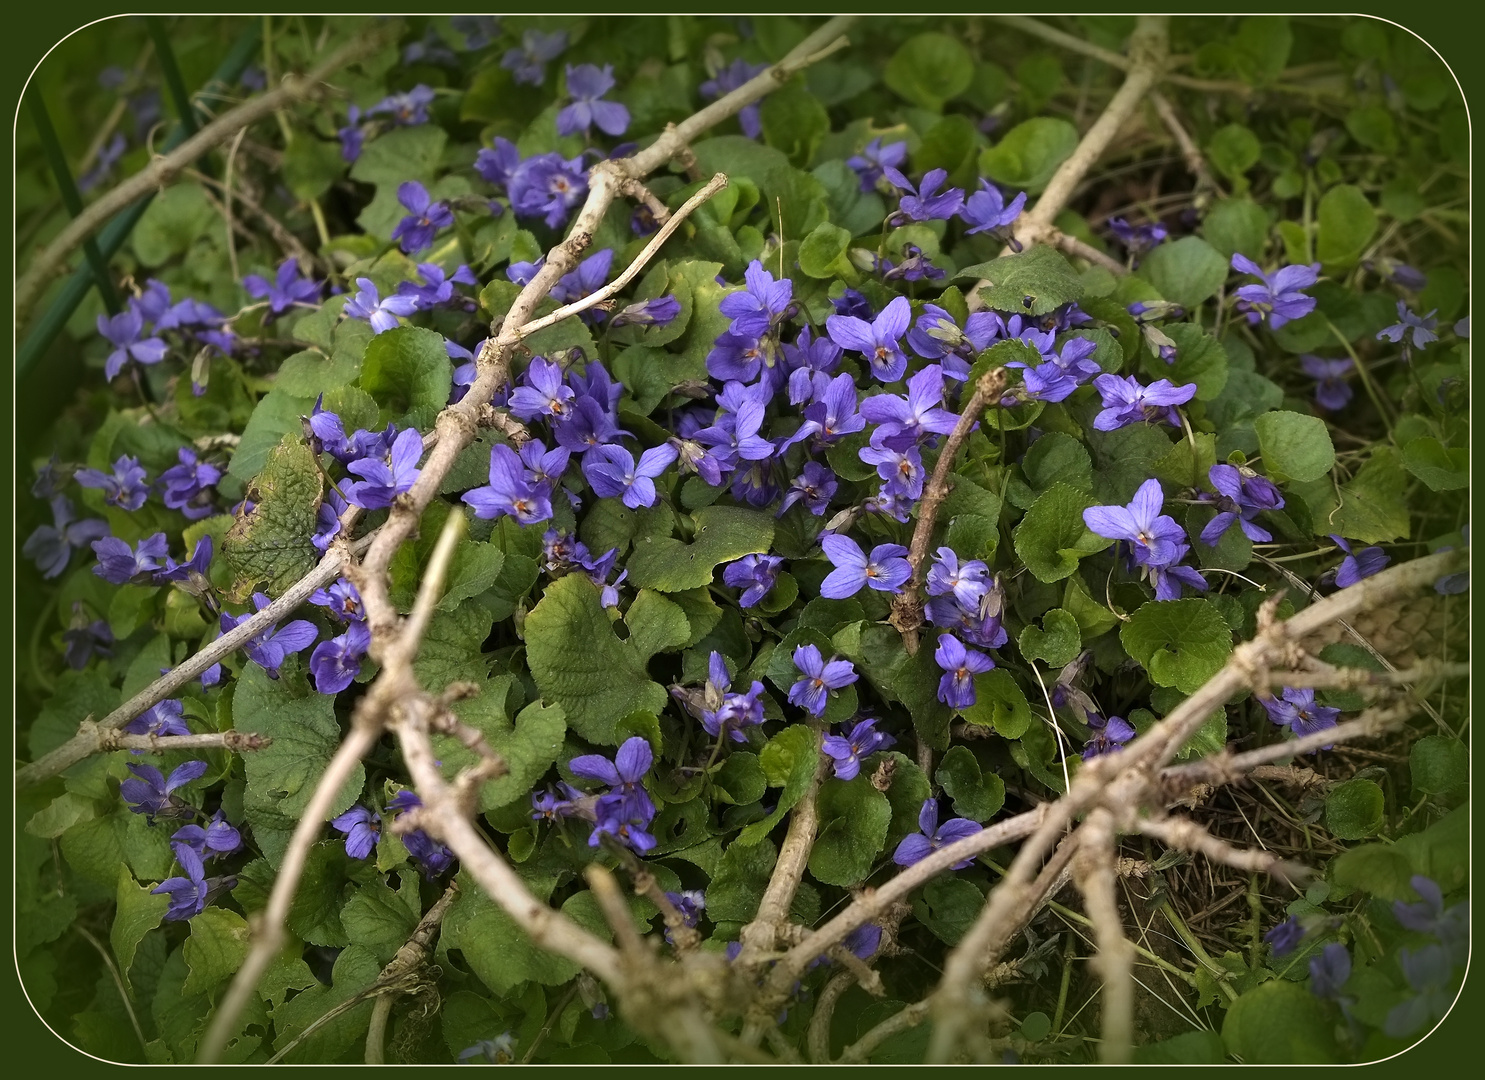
817,1042
1196,163
162,170
118,981
237,741
227,202
907,608
1115,958
903,1020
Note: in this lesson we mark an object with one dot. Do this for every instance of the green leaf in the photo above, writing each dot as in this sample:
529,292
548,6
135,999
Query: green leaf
276,415
738,885
1058,457
578,663
1030,153
1439,765
311,166
1379,869
1347,225
723,533
1033,283
1260,50
1193,1048
915,682
281,778
740,780
948,908
215,950
1373,502
408,372
1051,538
949,145
794,122
1057,641
1354,810
1186,271
1181,643
1280,1023
1200,358
999,704
1294,446
656,625
1440,468
355,970
930,69
404,153
977,796
529,748
176,218
379,919
1372,126
822,254
274,544
788,761
474,568
137,912
1233,150
853,827
1236,225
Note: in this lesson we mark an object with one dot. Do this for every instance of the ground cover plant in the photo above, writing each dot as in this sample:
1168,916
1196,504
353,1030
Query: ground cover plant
626,539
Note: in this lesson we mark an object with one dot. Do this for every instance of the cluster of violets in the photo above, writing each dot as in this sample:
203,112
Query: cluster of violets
147,791
1428,969
623,812
362,829
142,334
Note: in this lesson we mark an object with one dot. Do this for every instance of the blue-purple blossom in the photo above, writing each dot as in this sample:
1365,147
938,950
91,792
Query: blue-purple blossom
880,340
1279,297
407,108
425,217
1297,710
186,486
163,718
352,136
501,1050
123,331
931,836
547,186
1156,542
936,336
1329,971
874,158
1106,734
381,313
729,713
924,202
327,520
587,83
335,663
625,810
512,490
272,647
342,600
730,78
1332,391
832,414
907,421
126,487
901,470
887,570
83,639
286,290
192,572
543,393
1137,239
967,582
758,308
818,678
50,546
430,49
362,828
658,311
855,743
1126,402
987,211
187,894
1421,328
550,806
119,564
612,472
148,792
1358,564
437,289
108,156
814,486
1285,936
431,856
956,688
528,64
215,839
756,575
688,904
384,478
478,30
1241,496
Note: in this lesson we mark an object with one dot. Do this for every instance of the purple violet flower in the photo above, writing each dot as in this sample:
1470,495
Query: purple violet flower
383,479
431,856
342,600
908,421
123,331
1332,391
987,211
148,792
119,564
1297,710
50,546
587,83
874,158
886,571
1241,496
757,309
815,486
511,490
543,394
186,486
272,647
187,894
529,62
931,836
1285,936
956,688
335,663
1107,734
756,575
1152,536
163,718
1126,402
362,829
382,314
730,78
819,677
658,311
924,202
286,290
1279,296
612,472
425,217
1423,329
853,746
406,109
1357,565
879,340
126,487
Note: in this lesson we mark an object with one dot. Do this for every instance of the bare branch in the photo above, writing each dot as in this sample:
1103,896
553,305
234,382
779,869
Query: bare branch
1196,164
162,170
903,1020
907,607
1187,835
1115,959
238,741
817,1042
